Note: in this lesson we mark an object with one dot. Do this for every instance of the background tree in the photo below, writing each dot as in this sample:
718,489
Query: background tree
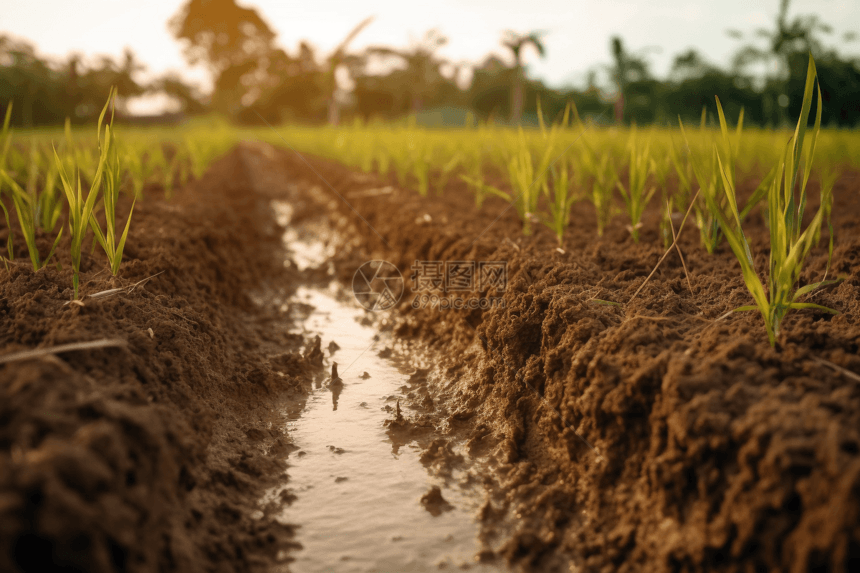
693,81
337,60
122,75
423,73
297,89
784,55
251,75
233,42
47,91
25,78
516,43
633,82
189,98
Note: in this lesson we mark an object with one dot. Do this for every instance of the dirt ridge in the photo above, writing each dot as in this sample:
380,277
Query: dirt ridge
151,457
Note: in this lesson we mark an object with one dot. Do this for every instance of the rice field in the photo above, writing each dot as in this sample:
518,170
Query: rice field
170,266
54,182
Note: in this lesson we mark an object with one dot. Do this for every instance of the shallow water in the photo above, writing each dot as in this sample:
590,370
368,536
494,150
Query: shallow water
357,504
358,495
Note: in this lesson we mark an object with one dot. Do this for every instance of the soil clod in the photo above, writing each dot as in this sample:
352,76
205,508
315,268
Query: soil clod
434,502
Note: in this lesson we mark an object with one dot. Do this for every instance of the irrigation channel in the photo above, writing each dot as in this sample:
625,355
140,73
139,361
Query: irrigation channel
364,498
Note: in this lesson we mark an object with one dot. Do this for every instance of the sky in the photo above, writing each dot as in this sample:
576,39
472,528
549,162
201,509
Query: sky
577,32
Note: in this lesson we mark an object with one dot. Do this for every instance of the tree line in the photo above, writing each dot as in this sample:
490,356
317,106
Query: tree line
254,77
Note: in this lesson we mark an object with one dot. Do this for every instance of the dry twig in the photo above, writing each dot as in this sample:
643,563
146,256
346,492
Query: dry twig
40,352
669,250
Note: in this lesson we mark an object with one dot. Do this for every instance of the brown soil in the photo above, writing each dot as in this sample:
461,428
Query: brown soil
712,451
631,437
151,457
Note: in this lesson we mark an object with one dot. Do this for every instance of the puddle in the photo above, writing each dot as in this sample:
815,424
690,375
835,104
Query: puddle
357,495
304,247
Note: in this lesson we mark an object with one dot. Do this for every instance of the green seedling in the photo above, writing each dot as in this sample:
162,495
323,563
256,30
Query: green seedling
136,170
482,190
198,154
560,202
635,194
80,206
605,179
5,139
50,204
112,246
661,168
172,165
706,172
5,136
526,180
383,163
27,203
786,200
401,159
26,209
421,172
10,242
445,172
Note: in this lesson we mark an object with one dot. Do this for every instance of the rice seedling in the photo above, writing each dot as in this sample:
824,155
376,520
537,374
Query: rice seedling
4,150
5,136
112,246
482,191
706,172
198,155
168,165
137,170
526,179
402,159
605,177
635,195
828,177
560,201
80,206
46,202
28,203
426,160
786,199
445,172
26,208
421,171
383,163
50,206
661,168
521,173
474,177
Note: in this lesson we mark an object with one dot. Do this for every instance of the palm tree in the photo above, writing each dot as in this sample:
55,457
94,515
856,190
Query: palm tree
516,44
629,68
422,66
338,58
788,41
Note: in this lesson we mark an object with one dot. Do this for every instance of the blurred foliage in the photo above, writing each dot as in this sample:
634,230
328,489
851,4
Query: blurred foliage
254,78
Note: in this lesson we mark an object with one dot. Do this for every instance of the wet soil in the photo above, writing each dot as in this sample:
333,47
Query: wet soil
639,435
193,446
371,490
369,494
636,436
150,457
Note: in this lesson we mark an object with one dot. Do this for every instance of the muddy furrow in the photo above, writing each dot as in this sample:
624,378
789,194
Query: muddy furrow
371,487
630,437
